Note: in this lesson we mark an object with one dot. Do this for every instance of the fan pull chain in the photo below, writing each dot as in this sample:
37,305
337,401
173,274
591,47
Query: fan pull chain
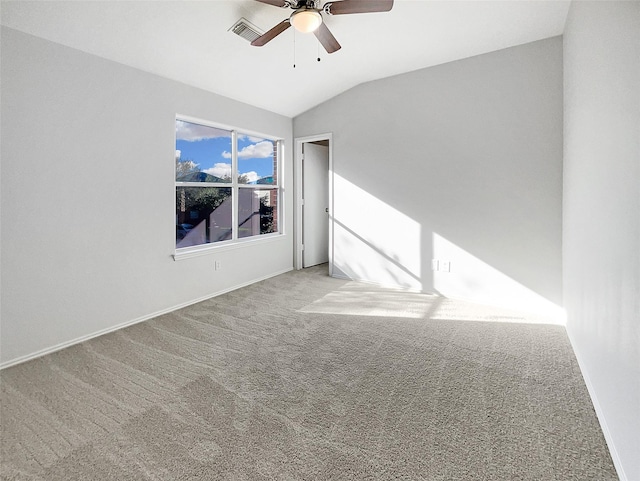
294,48
318,44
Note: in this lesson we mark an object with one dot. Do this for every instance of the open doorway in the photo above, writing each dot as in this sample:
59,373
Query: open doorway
314,202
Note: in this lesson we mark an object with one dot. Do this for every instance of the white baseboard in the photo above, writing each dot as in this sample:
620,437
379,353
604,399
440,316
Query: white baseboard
617,462
78,340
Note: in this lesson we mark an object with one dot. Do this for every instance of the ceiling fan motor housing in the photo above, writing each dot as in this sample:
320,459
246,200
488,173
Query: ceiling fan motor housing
308,4
307,18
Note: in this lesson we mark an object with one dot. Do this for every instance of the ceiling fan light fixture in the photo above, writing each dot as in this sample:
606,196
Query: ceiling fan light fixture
306,20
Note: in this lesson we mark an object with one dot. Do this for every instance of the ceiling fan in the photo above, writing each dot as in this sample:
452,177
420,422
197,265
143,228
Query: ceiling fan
307,17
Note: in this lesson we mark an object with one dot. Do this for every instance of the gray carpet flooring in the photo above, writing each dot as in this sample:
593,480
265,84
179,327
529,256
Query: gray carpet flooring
306,377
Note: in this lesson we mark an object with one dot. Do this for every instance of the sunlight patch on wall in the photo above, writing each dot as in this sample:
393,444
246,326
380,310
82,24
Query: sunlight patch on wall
471,279
374,241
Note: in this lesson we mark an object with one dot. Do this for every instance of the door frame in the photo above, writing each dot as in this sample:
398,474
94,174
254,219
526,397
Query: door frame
299,142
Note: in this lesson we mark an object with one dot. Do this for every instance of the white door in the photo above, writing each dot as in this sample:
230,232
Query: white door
315,210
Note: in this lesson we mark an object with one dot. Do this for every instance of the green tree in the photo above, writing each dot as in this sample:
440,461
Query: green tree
266,217
202,200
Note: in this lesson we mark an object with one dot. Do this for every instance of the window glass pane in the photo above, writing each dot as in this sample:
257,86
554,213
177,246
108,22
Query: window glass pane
257,212
257,160
203,153
203,215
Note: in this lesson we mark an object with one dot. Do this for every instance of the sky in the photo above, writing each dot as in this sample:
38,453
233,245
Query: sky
210,149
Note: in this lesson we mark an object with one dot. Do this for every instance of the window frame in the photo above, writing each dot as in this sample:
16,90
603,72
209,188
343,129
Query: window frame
235,241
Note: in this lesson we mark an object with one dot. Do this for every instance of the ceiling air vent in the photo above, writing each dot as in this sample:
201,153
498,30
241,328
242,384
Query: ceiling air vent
246,30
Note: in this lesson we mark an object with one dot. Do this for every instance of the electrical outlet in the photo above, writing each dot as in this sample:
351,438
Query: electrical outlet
445,266
435,265
216,265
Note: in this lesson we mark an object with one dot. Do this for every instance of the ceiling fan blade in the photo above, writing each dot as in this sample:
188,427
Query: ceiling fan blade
271,34
358,6
327,39
275,3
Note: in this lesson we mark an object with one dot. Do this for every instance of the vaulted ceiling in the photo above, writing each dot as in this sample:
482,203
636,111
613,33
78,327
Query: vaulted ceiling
191,41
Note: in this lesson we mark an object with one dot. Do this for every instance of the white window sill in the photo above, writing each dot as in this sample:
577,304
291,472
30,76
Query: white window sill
209,249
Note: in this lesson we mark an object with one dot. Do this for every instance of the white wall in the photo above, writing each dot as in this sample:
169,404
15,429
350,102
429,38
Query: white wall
602,214
460,162
88,196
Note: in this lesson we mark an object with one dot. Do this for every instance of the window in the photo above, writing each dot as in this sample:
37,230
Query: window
227,185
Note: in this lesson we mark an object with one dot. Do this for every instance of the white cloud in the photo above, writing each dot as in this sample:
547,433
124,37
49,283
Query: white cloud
189,165
192,132
261,150
251,176
178,154
219,170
